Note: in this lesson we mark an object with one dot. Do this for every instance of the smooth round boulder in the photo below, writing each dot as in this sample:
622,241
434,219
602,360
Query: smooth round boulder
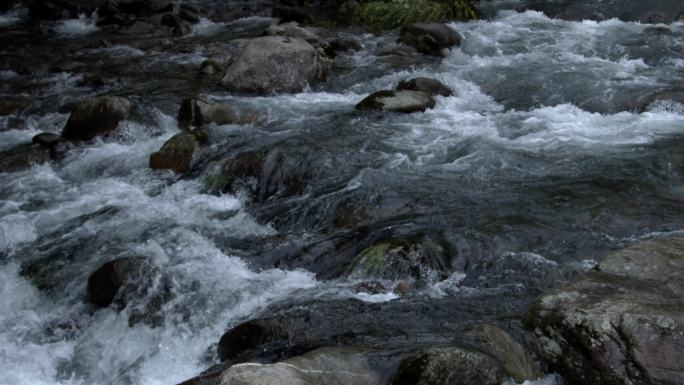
427,85
430,38
96,117
397,101
276,64
449,366
120,281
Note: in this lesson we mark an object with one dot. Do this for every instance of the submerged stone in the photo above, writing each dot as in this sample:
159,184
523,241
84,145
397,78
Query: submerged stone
430,86
397,101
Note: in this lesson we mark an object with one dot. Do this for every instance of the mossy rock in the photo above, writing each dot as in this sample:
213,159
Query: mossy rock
418,259
379,15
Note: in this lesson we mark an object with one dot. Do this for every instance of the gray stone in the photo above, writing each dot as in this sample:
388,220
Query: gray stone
397,101
276,64
622,324
96,117
430,86
449,366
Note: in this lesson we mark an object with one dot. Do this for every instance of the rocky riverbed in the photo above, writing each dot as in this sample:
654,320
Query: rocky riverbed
341,192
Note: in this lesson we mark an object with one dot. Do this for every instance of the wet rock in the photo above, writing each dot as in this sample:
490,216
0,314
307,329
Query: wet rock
660,31
427,85
345,44
397,101
430,38
622,324
321,366
96,117
402,288
292,29
198,112
511,355
212,66
276,64
177,153
417,259
370,287
119,281
452,366
22,157
47,140
671,101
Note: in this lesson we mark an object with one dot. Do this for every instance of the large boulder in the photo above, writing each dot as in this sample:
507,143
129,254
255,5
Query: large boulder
427,85
95,117
621,324
325,366
430,38
197,112
119,281
176,153
449,366
276,64
397,101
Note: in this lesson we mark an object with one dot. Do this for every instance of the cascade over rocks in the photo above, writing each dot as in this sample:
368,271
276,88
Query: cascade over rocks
119,281
276,64
95,117
622,324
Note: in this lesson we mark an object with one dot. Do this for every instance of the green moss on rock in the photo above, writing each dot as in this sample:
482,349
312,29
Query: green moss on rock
377,15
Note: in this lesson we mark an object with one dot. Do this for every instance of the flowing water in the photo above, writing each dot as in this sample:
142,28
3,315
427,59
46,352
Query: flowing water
541,163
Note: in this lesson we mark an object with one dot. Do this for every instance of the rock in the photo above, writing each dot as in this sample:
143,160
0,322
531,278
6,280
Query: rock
370,287
427,85
8,4
397,101
671,101
120,281
276,64
402,288
622,324
449,366
658,31
419,259
379,14
512,357
176,154
319,367
47,140
211,66
345,44
96,117
292,29
197,112
430,38
22,157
